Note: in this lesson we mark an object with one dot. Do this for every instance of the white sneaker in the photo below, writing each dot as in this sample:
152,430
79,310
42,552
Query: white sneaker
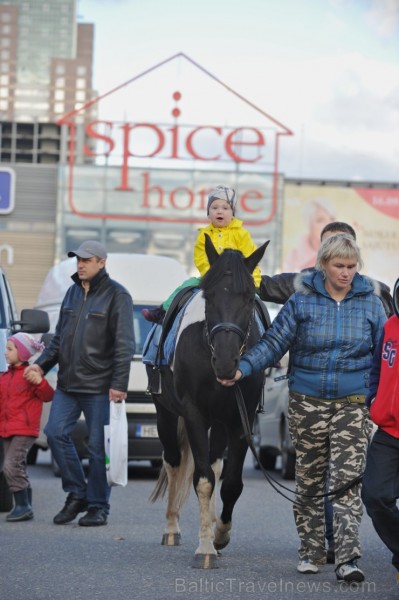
306,567
349,572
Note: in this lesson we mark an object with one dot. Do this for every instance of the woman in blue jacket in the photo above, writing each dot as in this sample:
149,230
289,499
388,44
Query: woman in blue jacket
331,325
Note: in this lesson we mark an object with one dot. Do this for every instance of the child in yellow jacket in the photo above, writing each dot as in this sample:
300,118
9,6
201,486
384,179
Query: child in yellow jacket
225,231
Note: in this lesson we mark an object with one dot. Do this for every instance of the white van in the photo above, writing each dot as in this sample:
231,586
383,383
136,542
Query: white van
149,279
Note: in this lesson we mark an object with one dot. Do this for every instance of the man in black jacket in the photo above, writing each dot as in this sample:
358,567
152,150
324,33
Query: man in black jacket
93,346
278,288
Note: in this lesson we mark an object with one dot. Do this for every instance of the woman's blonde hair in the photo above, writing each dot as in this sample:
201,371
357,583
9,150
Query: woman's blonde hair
340,245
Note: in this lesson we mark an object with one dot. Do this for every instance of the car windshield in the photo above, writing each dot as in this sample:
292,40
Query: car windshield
141,327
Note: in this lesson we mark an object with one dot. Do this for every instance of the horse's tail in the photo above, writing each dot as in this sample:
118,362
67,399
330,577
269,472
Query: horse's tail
184,475
160,487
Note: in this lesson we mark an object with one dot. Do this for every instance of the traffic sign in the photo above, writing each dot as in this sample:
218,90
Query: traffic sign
7,190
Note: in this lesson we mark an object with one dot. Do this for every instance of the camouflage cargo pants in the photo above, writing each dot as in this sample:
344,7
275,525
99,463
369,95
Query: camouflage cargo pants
330,439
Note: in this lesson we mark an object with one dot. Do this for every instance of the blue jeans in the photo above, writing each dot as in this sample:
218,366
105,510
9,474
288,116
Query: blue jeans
64,414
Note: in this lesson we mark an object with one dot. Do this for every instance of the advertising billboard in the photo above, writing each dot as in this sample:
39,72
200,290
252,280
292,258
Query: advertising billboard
372,211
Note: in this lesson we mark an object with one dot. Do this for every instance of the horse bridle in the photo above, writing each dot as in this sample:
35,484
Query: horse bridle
227,326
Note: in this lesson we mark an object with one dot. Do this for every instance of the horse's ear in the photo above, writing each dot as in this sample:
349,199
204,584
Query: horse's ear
210,250
253,259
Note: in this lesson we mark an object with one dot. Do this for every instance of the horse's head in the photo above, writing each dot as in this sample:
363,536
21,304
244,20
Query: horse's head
229,292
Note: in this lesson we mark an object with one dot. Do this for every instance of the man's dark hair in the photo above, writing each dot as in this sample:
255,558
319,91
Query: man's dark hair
338,226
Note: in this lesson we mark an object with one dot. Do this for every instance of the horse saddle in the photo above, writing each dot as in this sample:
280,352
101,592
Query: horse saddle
165,334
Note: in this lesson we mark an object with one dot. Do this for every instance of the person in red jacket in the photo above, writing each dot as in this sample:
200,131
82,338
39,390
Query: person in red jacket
381,476
21,405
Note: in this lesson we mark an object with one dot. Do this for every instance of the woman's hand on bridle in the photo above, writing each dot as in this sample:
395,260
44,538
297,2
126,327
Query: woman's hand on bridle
230,382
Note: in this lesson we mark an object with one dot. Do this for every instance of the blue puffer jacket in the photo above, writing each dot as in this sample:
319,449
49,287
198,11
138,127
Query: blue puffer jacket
331,343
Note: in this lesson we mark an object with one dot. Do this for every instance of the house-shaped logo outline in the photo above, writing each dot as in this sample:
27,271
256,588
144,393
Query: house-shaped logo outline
67,119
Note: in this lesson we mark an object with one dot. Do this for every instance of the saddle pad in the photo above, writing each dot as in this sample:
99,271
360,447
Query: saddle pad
192,312
152,354
151,345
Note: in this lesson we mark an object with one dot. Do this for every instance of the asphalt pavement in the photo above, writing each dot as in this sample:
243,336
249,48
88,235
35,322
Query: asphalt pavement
125,560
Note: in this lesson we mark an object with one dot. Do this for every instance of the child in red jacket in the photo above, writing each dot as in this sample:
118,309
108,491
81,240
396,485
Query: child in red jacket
381,476
21,405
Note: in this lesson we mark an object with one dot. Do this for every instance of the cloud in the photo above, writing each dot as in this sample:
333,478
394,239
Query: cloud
383,17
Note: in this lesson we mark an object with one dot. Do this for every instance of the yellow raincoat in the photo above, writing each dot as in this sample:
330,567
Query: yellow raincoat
234,237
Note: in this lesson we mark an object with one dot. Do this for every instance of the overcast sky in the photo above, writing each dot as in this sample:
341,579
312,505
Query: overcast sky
327,69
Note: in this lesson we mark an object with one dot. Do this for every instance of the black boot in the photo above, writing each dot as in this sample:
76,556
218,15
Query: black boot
154,315
73,506
22,510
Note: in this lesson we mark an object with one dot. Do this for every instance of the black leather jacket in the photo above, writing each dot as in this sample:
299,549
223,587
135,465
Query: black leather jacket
279,288
93,342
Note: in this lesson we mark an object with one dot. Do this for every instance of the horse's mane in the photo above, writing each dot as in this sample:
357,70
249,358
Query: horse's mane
231,262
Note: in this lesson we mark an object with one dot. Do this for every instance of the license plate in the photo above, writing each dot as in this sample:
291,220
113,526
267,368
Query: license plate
147,431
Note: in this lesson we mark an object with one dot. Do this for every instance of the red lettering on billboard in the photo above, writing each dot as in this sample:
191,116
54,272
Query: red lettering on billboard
156,201
92,133
231,142
190,148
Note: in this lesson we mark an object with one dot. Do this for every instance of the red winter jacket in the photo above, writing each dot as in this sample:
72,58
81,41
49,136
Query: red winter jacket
21,403
384,410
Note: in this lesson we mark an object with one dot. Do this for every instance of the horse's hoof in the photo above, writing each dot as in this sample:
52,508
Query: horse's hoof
205,561
221,545
171,539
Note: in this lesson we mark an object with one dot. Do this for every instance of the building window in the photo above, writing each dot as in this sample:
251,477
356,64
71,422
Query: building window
80,96
59,95
60,82
81,83
6,29
5,55
3,92
81,71
4,80
4,67
5,42
3,105
25,105
60,69
59,107
6,17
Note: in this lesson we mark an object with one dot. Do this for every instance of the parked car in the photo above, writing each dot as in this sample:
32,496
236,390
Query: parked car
271,435
149,279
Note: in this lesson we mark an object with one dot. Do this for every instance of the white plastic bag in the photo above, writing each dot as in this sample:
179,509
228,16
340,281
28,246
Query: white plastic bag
115,438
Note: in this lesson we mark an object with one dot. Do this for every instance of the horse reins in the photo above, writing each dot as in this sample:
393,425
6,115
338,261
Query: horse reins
273,482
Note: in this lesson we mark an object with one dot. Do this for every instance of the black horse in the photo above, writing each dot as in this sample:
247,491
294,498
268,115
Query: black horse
195,412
